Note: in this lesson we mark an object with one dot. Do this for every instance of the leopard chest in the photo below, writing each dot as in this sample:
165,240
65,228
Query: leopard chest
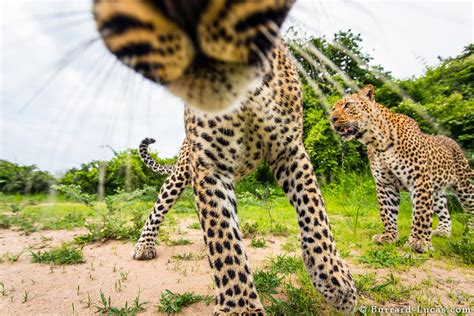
227,142
395,168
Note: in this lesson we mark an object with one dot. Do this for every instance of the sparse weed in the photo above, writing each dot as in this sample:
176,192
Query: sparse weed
249,230
179,242
258,243
11,257
291,245
279,230
195,225
186,256
124,275
25,297
389,290
174,303
3,290
464,246
106,307
65,254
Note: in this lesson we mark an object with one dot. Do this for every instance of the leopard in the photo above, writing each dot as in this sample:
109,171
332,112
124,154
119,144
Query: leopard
404,158
227,62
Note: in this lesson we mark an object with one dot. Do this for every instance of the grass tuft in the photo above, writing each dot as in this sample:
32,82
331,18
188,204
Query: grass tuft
383,258
258,243
106,307
64,255
174,303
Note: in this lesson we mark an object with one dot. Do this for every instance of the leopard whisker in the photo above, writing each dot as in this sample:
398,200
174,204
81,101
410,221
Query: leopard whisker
64,62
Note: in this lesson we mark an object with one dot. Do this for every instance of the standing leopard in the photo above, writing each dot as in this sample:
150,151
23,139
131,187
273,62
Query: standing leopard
402,157
226,61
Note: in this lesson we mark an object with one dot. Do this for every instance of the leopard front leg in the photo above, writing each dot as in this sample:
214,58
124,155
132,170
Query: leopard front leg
422,217
329,272
388,197
217,209
145,249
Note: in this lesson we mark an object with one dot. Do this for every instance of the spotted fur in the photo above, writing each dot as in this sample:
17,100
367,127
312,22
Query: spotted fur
226,55
402,157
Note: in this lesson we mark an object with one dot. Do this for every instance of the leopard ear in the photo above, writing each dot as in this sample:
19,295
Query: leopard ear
368,91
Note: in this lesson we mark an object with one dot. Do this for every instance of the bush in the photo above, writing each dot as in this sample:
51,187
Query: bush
24,179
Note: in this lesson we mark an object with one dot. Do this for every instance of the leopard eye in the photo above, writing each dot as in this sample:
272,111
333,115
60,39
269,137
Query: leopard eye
348,105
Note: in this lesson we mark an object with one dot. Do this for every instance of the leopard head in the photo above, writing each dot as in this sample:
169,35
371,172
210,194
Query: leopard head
352,115
210,53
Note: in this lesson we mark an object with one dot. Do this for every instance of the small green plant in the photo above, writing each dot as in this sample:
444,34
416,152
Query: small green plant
186,256
74,192
464,246
179,242
11,257
286,264
105,306
65,254
195,225
26,296
124,275
5,221
266,282
249,230
16,208
390,258
174,303
279,230
3,290
258,243
389,290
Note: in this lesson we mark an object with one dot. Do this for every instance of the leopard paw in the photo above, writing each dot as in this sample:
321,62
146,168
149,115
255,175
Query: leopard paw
144,251
384,238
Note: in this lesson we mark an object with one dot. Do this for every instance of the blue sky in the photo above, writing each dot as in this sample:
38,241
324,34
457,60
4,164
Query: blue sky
94,101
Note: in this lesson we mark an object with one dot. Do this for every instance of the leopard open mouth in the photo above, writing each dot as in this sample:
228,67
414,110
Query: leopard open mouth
346,130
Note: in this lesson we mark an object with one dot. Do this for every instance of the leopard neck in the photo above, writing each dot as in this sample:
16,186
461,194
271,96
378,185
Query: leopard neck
380,132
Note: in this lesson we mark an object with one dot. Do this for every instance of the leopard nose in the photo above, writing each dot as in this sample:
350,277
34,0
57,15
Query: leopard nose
185,13
333,119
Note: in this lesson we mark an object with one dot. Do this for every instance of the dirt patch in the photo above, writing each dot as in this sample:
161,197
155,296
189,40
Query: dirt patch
108,268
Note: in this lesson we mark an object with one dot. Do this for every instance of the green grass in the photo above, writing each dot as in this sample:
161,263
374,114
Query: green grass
179,242
65,254
258,243
389,289
105,306
390,257
171,303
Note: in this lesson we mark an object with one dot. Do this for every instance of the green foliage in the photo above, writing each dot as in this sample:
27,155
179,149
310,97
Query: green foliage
112,227
442,98
286,264
464,246
23,179
65,254
266,282
124,172
174,303
74,192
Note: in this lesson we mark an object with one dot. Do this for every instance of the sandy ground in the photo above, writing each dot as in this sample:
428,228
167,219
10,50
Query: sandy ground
54,290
